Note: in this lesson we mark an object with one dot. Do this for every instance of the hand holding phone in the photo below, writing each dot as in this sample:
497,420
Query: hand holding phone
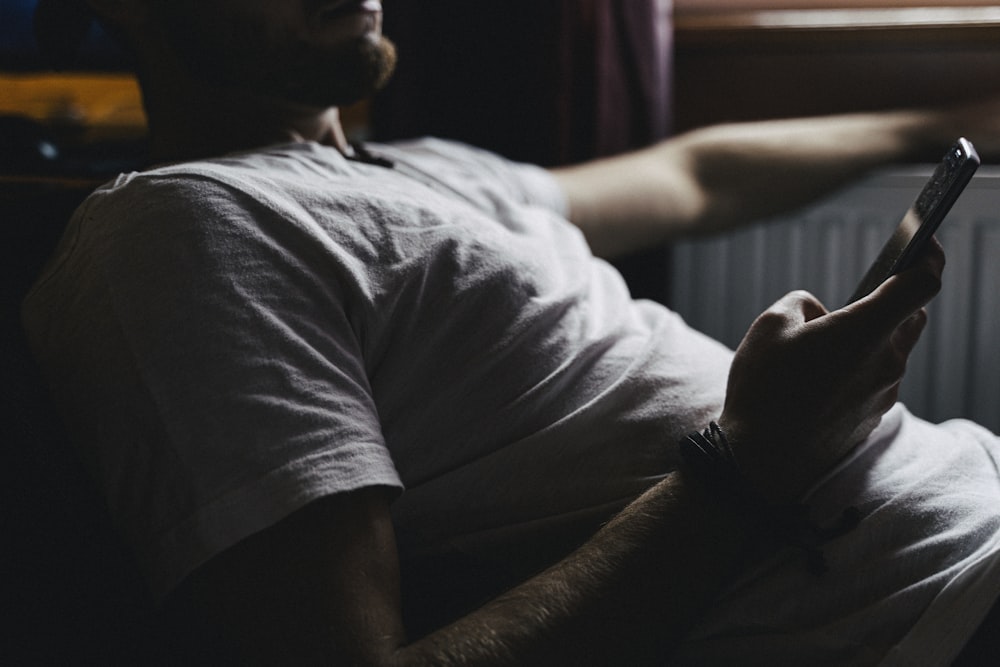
923,218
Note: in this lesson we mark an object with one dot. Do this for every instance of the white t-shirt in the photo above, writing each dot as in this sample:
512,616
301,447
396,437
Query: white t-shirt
232,339
907,587
237,337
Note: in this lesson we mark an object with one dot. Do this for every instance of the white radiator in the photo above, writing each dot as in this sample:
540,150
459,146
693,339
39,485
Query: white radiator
720,285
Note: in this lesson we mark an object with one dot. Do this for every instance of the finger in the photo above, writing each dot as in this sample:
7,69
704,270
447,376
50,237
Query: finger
864,429
933,256
888,366
903,294
906,335
934,252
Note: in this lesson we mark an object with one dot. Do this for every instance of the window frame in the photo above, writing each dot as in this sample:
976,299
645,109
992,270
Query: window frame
709,6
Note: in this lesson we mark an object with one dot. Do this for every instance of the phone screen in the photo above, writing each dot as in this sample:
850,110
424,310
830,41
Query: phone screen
922,219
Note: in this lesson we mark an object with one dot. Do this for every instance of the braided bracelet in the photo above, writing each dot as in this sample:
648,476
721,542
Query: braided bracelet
710,460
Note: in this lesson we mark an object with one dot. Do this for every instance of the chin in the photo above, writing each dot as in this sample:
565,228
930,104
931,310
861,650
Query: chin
344,77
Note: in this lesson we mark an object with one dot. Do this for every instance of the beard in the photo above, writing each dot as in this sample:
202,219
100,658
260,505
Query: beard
256,58
338,77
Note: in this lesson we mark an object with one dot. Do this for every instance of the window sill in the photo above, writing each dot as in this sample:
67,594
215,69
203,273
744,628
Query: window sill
748,65
825,27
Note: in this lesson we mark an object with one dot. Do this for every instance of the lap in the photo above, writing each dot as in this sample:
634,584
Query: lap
914,579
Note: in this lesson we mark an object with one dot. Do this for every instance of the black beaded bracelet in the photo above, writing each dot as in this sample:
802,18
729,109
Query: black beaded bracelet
710,460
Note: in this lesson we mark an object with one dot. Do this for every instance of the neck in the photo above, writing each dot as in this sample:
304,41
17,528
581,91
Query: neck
191,122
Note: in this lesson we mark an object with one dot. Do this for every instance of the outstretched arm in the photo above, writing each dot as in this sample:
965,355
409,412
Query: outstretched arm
714,178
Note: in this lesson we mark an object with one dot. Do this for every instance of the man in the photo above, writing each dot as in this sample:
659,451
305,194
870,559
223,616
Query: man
262,339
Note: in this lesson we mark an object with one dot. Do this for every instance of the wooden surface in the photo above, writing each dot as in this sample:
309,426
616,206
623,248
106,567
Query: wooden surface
743,65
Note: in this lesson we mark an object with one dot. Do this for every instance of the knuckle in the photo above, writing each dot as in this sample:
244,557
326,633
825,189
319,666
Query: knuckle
807,299
801,295
772,319
772,322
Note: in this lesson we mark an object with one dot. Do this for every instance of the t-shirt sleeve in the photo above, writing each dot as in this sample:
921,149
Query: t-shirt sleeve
245,342
492,181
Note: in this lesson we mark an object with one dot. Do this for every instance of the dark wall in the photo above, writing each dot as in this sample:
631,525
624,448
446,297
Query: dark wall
545,81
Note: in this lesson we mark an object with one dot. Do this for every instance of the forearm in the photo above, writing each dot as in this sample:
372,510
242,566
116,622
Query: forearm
747,172
625,597
322,586
714,178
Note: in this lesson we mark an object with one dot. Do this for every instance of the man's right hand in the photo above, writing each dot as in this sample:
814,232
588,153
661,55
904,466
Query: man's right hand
806,385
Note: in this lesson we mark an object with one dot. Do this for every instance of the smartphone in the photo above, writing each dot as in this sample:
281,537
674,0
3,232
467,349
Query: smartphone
923,217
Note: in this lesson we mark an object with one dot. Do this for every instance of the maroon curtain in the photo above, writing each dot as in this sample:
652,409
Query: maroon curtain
615,75
546,81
